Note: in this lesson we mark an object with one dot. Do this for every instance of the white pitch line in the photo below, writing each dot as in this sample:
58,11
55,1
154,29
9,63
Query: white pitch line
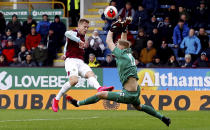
27,120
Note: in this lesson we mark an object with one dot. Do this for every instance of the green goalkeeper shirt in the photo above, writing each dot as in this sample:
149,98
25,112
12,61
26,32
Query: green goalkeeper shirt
125,64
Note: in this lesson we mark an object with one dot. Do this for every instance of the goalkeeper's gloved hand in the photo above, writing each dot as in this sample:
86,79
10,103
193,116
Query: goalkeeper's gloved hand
125,23
116,27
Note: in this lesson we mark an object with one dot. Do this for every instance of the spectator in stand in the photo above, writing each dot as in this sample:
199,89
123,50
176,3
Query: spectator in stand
138,63
4,39
109,62
164,52
22,54
156,38
26,29
108,22
147,54
149,26
14,25
185,19
140,18
204,39
208,51
15,62
92,61
52,46
166,30
40,55
95,44
19,41
202,61
9,51
187,63
73,8
127,11
43,28
2,24
140,43
151,6
59,29
29,62
187,3
120,3
179,33
156,62
172,62
33,39
201,15
183,15
191,44
173,15
3,61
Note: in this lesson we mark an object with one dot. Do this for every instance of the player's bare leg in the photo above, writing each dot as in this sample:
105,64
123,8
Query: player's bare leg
73,80
93,82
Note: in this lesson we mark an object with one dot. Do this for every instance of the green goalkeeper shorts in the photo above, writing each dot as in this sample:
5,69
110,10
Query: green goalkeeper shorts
127,97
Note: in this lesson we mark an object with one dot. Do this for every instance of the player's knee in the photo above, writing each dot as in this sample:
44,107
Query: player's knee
89,74
73,80
102,95
138,107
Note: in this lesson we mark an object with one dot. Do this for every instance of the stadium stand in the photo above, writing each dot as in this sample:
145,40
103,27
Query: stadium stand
165,21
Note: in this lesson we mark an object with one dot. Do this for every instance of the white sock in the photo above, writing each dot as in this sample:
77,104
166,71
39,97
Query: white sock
63,90
93,82
78,103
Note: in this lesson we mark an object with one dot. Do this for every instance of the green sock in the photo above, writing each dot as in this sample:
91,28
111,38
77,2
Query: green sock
89,100
151,111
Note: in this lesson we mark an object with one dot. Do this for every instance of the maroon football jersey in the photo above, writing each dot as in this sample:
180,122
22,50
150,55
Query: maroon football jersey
73,50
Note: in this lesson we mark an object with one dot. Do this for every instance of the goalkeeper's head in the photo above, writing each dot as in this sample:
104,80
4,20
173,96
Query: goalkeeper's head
123,44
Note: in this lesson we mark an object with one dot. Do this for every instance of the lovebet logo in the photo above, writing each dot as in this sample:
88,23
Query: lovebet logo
9,81
37,80
5,80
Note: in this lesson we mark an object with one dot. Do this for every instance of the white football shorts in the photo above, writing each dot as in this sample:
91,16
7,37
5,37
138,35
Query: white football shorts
76,67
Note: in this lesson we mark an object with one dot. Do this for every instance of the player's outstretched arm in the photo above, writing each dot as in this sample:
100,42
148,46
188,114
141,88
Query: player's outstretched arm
73,36
125,27
109,41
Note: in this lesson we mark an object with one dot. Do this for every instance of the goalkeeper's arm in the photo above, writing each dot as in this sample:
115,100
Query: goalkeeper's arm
109,41
124,36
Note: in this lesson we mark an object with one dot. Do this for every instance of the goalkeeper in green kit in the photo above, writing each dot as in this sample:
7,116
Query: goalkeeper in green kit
128,75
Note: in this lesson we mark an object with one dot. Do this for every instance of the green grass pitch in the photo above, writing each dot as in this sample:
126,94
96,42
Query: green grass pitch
100,120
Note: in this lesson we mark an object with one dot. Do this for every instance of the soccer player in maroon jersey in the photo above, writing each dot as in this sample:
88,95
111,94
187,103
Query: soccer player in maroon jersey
74,64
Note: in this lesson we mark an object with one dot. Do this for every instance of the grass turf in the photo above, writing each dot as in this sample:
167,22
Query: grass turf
101,120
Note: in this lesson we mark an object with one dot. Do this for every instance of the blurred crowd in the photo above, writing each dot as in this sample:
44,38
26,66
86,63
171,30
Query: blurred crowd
168,33
29,43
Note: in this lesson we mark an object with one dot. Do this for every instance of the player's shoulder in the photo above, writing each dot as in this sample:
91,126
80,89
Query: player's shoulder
117,52
71,32
122,50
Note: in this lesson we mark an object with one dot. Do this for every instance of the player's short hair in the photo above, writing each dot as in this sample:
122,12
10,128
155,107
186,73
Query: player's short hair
124,43
81,21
